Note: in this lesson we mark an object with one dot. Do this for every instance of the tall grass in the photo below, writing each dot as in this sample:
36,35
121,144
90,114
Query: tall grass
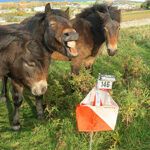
131,67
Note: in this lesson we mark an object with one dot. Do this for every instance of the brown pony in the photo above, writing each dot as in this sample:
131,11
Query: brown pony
26,62
53,30
95,25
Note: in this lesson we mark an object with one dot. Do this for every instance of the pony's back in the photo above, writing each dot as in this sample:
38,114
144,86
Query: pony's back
8,35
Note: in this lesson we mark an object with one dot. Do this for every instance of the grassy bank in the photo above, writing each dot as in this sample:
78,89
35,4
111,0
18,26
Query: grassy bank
58,131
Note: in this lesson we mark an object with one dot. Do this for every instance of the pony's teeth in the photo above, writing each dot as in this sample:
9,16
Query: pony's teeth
71,44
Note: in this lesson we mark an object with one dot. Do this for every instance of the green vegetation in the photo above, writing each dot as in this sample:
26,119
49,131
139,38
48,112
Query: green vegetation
146,4
58,131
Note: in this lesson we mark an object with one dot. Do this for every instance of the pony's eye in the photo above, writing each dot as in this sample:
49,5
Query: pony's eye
32,64
105,29
52,23
29,64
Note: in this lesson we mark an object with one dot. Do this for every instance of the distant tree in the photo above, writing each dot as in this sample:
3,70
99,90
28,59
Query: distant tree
146,4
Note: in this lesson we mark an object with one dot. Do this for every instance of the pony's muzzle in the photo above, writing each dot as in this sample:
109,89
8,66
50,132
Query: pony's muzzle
111,52
112,49
70,37
39,88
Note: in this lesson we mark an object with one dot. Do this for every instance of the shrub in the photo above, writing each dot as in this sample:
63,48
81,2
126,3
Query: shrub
146,4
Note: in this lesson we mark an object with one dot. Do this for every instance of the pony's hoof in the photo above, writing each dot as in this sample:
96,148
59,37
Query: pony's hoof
3,98
16,127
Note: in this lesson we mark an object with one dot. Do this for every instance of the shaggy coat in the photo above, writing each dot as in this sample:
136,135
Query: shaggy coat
95,25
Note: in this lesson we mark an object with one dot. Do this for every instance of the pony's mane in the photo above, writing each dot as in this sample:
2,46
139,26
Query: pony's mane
90,10
60,13
104,8
33,22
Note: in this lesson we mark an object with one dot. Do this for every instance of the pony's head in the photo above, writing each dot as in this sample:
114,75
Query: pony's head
111,31
59,34
30,66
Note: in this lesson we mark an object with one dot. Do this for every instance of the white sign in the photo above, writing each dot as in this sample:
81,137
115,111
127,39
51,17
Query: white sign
105,81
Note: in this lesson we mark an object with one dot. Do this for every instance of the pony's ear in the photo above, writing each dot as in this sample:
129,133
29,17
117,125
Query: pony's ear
101,15
27,52
27,48
115,14
48,8
67,11
118,15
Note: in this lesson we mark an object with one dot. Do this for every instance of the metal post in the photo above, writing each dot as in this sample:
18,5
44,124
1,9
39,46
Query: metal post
91,140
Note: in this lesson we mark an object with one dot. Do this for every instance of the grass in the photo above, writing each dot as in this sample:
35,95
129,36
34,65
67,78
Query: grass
58,131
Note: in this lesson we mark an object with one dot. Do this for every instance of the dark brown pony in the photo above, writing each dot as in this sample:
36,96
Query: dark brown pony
95,25
53,30
26,62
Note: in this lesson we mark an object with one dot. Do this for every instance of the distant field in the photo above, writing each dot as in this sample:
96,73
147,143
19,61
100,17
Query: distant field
135,15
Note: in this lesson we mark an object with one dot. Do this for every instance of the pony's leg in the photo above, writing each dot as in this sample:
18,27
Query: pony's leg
17,99
39,107
3,96
78,62
76,65
88,62
75,68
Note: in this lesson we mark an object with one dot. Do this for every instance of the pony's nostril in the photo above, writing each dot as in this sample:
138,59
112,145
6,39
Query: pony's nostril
111,52
34,92
43,90
66,34
70,36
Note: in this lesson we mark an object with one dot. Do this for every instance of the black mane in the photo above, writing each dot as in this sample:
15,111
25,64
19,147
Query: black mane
90,10
113,11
